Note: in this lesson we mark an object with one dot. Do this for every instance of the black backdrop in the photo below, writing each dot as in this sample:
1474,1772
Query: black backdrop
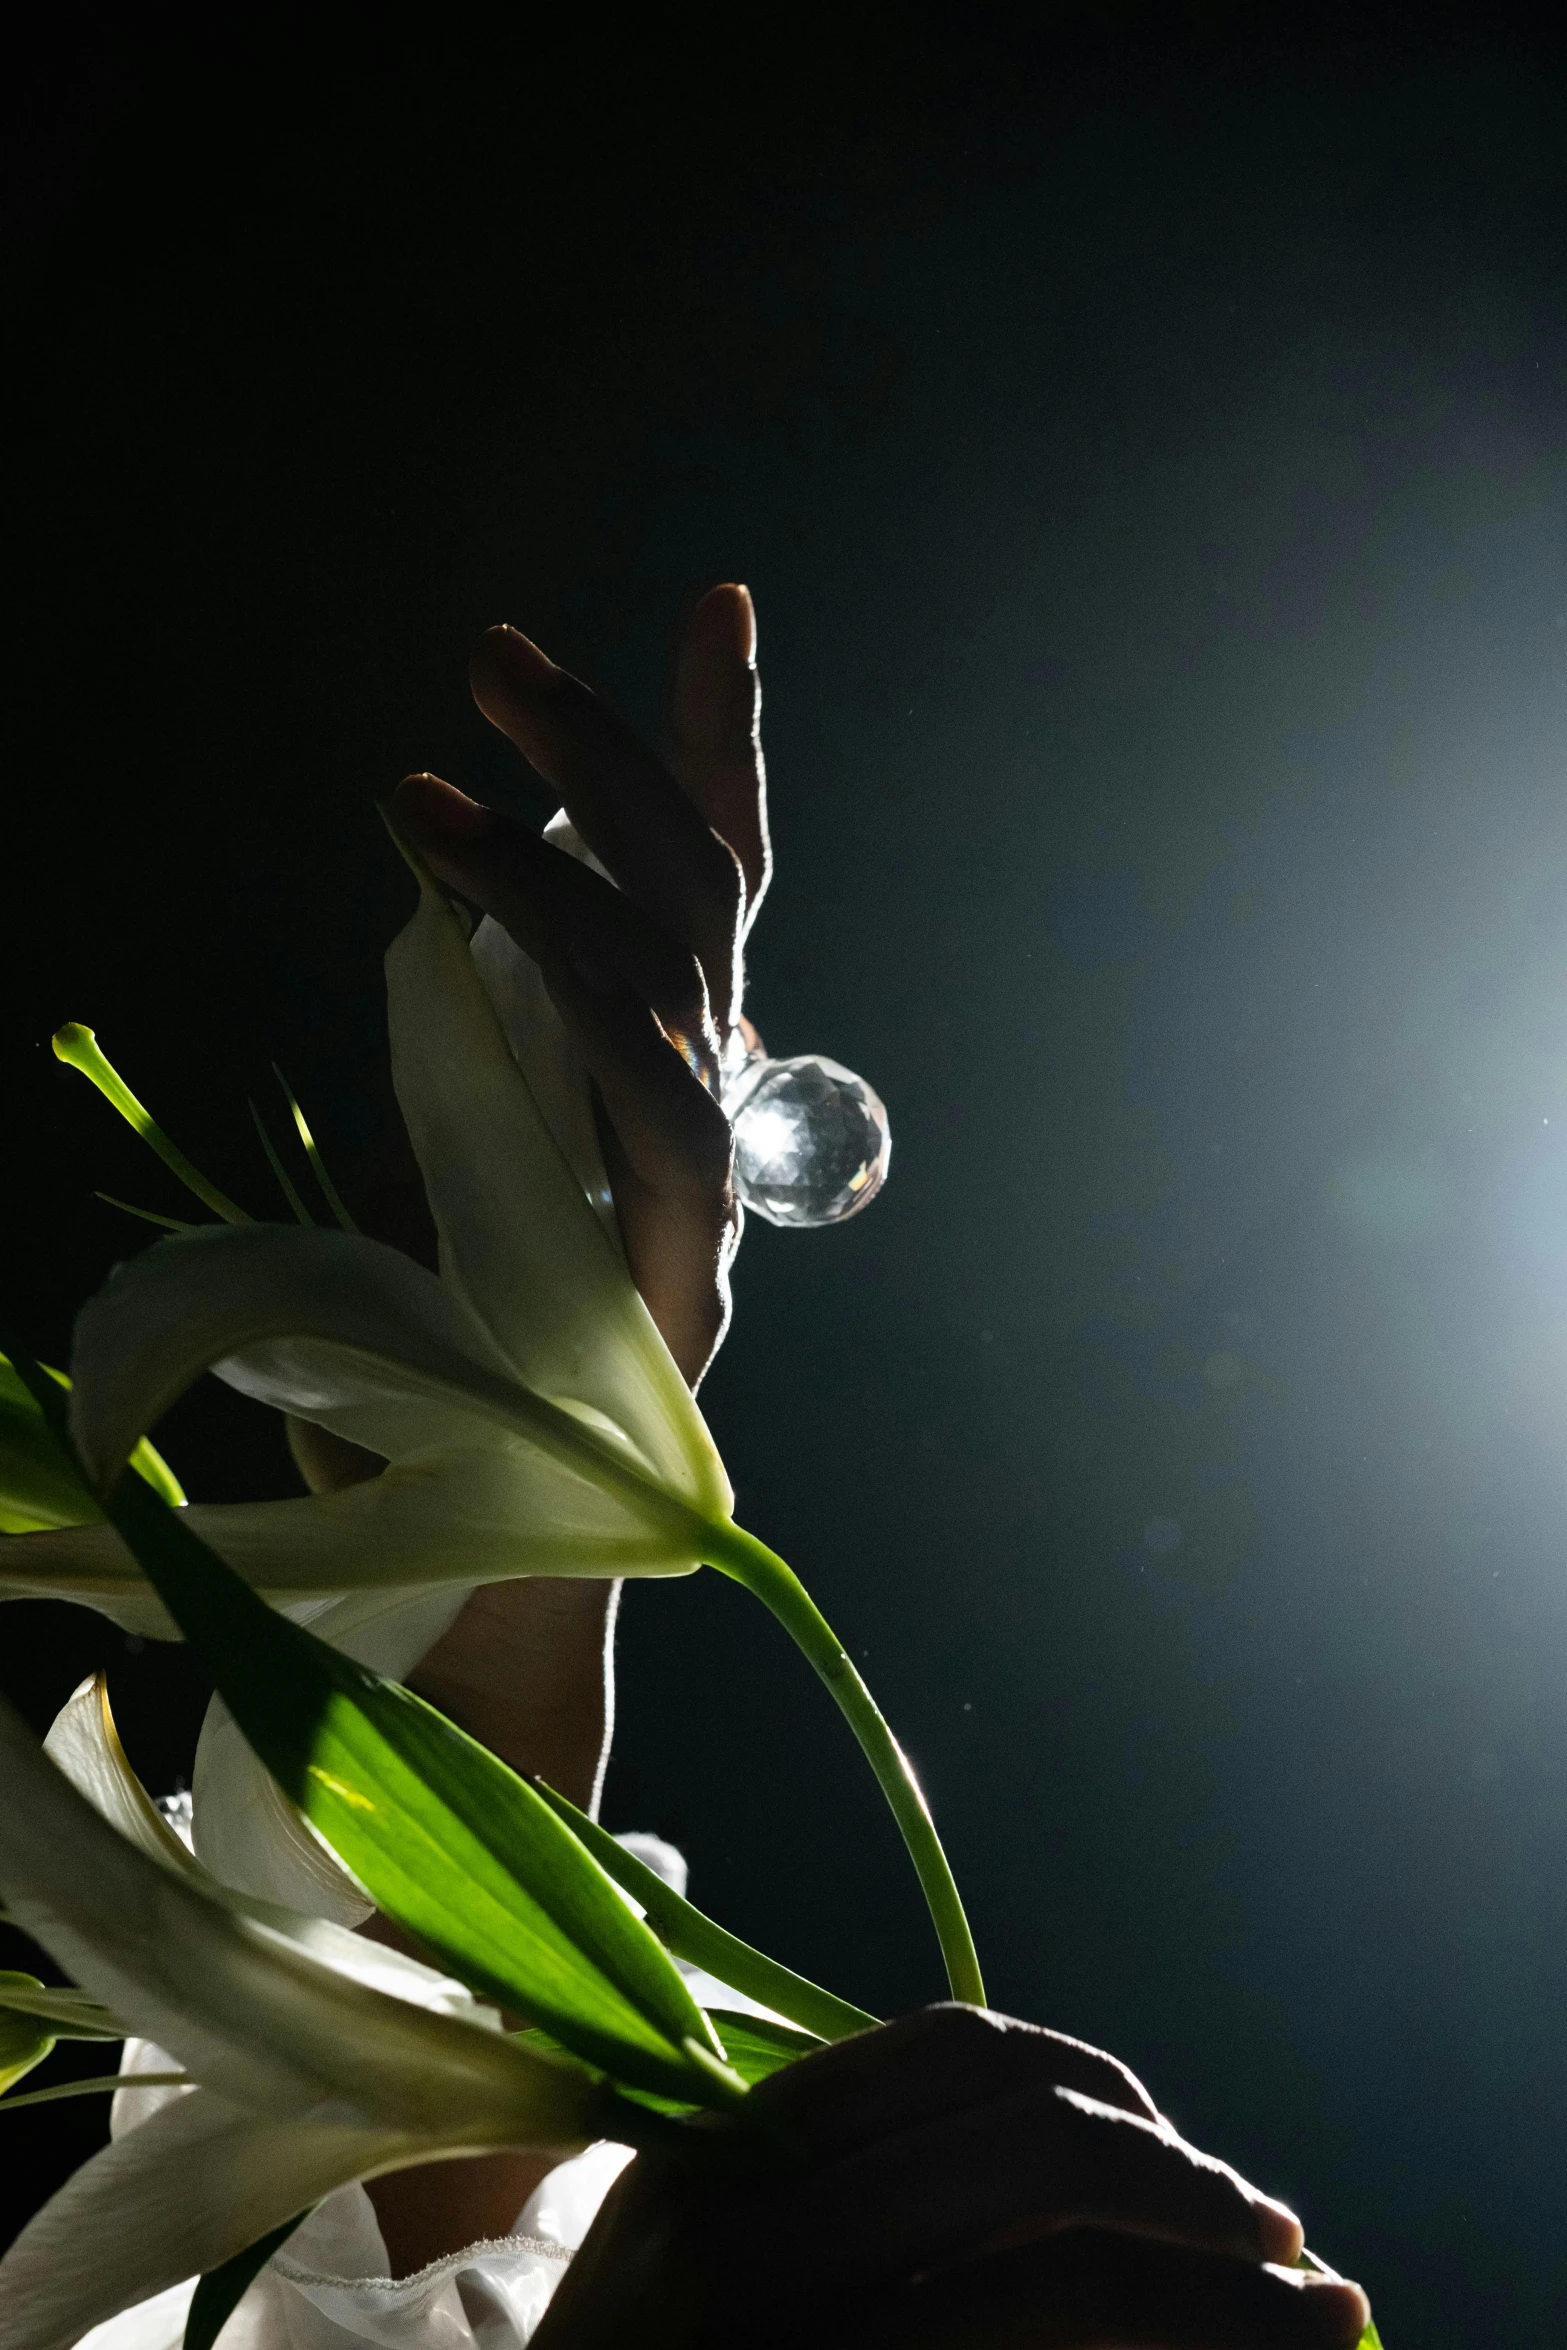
1143,435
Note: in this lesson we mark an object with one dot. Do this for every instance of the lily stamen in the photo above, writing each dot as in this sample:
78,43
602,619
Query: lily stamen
78,1048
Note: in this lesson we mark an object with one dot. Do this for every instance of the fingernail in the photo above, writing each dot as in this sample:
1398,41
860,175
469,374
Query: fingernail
524,656
433,806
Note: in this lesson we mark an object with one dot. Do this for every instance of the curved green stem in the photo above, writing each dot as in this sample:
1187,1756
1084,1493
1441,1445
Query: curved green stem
745,1560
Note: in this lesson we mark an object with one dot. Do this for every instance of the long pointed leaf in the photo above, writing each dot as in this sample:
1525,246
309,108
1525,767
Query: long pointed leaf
443,1837
757,2047
42,1487
70,2015
696,1938
24,2042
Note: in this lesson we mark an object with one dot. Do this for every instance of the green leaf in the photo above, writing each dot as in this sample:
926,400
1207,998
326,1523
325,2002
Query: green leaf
757,2047
39,1485
695,1938
24,2041
70,2015
443,1837
222,2290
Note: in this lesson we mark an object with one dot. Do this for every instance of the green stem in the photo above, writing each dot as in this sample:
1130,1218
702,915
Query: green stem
745,1560
686,1933
105,2082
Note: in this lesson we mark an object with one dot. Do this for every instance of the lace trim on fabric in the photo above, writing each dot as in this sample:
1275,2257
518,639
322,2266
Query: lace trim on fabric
437,2271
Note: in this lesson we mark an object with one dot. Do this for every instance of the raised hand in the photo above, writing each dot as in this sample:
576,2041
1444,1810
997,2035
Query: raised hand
647,978
646,975
971,2183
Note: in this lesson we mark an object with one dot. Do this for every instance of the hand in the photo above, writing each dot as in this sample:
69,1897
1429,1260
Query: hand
971,2183
647,976
647,979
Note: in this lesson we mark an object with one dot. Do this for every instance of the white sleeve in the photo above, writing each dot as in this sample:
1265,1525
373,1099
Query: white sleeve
328,2288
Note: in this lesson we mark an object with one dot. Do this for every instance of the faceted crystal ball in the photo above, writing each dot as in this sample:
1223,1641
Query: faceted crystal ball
811,1139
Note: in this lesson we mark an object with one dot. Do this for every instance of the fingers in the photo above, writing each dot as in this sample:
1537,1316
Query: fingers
717,731
1096,2291
972,2200
626,995
935,2062
635,818
648,2271
954,2129
554,906
1010,2171
669,1154
670,1130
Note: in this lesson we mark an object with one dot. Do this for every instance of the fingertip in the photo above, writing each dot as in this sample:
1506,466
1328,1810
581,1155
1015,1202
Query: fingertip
728,611
506,665
491,645
435,808
1339,2309
504,642
1280,2235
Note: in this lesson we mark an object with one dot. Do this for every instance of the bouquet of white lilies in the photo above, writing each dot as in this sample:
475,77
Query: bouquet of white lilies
533,1422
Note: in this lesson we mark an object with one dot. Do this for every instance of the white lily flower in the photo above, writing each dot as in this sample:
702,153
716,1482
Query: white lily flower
319,2058
532,1418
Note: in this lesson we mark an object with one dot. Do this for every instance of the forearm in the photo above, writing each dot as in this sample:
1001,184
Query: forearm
528,1669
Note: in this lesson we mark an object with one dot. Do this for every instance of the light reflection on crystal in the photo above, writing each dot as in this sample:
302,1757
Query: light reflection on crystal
812,1141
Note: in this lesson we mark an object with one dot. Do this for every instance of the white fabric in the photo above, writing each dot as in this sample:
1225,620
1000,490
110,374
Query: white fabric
329,2287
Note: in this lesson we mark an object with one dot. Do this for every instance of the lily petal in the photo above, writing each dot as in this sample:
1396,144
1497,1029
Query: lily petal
547,1058
243,1811
519,1242
90,1567
253,1839
84,1743
389,1333
174,2198
366,1342
242,2006
479,1516
247,1832
388,1630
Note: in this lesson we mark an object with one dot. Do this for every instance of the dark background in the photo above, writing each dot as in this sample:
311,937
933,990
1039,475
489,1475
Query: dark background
1143,433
